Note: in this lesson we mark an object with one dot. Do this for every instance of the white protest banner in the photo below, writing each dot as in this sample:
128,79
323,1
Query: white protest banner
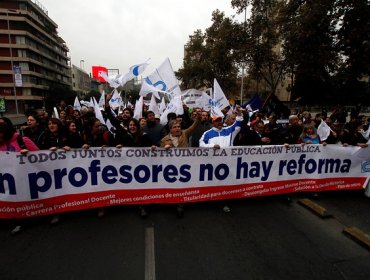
192,98
58,181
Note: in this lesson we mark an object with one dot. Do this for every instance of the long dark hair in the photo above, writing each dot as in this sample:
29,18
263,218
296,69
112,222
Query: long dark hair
7,128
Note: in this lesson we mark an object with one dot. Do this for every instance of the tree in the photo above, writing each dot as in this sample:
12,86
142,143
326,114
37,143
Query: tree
309,48
263,53
212,55
354,47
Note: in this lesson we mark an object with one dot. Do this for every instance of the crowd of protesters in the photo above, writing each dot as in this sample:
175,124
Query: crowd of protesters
195,128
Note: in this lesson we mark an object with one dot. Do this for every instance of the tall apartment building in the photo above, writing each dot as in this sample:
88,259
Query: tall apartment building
32,55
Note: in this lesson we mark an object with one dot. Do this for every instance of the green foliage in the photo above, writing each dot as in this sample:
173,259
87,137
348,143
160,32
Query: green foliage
322,46
212,55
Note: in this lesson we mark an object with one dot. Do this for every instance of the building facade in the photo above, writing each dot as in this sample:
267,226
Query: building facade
81,81
32,55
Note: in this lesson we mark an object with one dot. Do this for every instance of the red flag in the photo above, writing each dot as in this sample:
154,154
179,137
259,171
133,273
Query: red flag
96,70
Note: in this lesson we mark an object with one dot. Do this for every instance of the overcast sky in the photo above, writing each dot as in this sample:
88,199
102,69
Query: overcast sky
120,33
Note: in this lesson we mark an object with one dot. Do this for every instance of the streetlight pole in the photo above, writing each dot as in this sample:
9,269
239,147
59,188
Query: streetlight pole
11,63
82,64
243,64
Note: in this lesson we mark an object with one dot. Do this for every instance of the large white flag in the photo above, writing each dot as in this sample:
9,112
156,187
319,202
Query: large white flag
163,78
323,131
148,88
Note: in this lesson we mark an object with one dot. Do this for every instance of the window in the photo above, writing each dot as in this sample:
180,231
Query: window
24,65
20,40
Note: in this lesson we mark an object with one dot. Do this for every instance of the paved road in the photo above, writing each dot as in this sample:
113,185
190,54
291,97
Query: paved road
262,238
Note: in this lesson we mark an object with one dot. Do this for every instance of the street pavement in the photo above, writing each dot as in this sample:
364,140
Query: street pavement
261,238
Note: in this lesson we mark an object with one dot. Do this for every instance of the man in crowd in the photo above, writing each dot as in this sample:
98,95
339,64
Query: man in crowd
221,137
154,129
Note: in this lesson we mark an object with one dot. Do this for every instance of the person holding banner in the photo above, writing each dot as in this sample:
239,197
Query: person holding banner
74,139
12,141
309,135
178,138
54,136
96,136
154,129
221,137
33,129
352,135
201,128
134,137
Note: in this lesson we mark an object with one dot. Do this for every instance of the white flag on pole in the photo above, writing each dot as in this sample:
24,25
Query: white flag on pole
162,106
56,114
323,131
153,106
102,100
97,111
138,112
115,101
134,71
148,88
77,104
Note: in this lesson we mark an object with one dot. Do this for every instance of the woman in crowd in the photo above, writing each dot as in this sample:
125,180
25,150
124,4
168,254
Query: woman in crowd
309,135
54,136
12,141
73,137
179,138
134,137
352,135
33,129
97,136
